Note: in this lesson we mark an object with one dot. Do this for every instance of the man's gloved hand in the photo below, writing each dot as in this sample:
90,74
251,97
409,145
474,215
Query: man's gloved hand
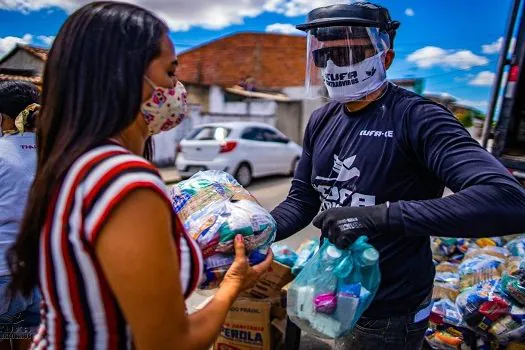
344,225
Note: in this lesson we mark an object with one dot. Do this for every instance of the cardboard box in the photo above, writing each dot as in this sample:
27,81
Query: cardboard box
278,329
516,346
271,283
284,295
247,326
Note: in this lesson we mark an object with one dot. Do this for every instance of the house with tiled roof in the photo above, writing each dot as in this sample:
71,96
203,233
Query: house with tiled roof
24,62
250,76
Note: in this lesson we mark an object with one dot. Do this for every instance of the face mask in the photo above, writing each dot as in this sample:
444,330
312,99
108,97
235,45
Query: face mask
352,83
166,108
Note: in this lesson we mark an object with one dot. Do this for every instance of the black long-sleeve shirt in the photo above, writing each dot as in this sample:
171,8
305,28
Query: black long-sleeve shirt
402,149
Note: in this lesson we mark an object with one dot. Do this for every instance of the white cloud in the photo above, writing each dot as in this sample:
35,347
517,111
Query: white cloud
273,5
495,47
295,8
484,78
9,42
481,104
431,56
183,15
47,40
283,28
409,12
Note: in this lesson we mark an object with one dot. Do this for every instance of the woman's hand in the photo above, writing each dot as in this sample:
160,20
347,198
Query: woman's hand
241,276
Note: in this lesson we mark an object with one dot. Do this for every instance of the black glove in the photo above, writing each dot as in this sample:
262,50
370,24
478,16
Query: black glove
344,225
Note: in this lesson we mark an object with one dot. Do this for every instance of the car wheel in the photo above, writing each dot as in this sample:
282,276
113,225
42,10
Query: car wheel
293,169
244,175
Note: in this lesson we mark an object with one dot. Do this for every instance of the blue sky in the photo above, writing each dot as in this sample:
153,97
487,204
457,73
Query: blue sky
451,43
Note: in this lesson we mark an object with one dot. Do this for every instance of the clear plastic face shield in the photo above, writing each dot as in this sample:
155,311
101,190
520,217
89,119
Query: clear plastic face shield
346,62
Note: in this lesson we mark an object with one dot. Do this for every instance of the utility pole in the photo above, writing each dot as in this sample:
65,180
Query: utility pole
502,62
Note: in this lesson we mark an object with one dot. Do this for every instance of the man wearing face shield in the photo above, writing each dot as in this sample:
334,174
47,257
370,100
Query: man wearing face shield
376,160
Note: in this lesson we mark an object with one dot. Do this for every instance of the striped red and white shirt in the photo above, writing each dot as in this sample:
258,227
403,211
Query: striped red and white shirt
79,308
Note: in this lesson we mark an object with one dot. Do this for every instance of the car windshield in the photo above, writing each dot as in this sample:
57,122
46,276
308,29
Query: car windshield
209,133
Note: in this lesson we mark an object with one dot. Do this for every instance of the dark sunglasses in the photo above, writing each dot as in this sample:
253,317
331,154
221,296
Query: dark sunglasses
342,56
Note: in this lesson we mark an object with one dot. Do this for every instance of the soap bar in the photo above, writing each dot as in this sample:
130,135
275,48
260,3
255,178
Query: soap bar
325,303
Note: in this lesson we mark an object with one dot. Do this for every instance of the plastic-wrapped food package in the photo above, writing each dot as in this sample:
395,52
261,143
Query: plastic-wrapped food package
214,208
517,246
507,239
498,252
334,289
446,330
446,286
490,242
450,249
478,269
514,265
284,254
514,286
442,248
447,267
464,244
445,312
304,253
445,339
487,310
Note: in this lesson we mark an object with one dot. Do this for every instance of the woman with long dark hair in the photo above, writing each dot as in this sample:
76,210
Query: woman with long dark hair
99,236
19,315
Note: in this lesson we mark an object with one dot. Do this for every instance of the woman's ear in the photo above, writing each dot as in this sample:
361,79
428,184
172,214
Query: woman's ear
389,58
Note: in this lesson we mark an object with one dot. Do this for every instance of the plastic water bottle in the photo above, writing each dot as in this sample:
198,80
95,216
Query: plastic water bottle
326,286
369,272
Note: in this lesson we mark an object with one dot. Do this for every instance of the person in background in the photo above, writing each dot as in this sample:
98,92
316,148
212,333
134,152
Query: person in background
19,315
99,234
376,160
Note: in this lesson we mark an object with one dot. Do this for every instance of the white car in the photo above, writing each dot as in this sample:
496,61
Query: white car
246,150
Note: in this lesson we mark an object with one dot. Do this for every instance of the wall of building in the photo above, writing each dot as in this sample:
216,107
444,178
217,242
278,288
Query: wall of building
308,104
273,60
24,61
289,120
289,117
198,95
217,104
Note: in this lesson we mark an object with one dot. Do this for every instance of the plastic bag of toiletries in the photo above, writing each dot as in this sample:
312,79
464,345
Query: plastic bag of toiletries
305,252
334,289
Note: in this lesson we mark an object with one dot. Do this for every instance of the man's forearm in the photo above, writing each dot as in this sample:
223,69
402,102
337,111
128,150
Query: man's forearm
291,218
478,211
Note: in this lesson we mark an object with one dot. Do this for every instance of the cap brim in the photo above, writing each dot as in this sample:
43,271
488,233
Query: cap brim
337,21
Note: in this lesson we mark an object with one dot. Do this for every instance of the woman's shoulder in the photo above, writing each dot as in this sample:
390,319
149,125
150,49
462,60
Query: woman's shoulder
111,169
112,157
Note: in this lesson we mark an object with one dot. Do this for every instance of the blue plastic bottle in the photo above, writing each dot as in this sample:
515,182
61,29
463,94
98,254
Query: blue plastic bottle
325,300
